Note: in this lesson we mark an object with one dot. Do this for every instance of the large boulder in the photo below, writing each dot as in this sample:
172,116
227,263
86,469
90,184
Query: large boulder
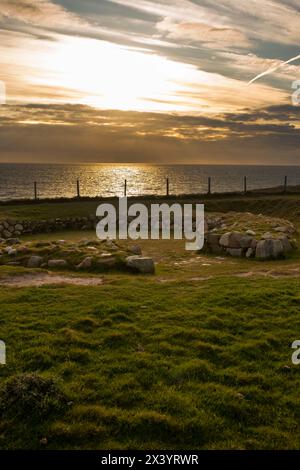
141,264
212,242
246,241
231,240
269,248
287,246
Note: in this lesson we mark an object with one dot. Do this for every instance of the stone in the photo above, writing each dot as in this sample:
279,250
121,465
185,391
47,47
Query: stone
246,241
106,261
141,264
86,263
235,251
234,240
277,248
6,234
267,236
212,241
57,263
213,238
34,261
13,241
282,229
253,244
11,251
224,240
287,247
136,250
268,249
251,233
19,227
250,252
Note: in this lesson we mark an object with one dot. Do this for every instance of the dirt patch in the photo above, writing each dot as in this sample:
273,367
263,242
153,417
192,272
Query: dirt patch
42,279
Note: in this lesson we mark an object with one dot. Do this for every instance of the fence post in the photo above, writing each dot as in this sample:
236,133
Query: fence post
78,188
209,185
167,186
245,184
285,184
35,190
125,188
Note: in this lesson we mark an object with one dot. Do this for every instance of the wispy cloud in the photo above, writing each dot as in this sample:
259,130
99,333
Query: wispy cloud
276,66
38,12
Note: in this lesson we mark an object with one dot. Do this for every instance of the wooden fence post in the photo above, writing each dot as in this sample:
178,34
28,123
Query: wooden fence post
125,188
209,185
285,184
78,188
167,187
35,190
245,184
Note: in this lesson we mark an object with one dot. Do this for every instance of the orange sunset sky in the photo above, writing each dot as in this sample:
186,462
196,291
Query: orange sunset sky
149,81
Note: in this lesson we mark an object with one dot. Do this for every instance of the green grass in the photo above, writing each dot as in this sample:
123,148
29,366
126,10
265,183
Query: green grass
138,364
286,206
169,361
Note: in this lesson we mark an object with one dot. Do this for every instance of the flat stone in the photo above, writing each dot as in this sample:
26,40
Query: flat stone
141,264
57,263
34,261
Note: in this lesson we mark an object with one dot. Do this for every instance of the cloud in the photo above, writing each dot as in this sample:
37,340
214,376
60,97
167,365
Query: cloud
276,66
38,12
211,36
73,133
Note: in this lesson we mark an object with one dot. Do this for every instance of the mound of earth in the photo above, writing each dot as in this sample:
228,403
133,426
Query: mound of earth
250,235
93,255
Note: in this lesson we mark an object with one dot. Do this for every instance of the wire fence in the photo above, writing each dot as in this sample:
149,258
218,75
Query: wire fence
164,188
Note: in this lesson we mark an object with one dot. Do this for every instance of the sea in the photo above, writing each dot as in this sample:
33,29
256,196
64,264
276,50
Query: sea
17,181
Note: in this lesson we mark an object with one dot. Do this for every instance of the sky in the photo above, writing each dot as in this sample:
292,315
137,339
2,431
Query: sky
146,81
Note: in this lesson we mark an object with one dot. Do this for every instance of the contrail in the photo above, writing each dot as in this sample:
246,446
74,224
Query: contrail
273,68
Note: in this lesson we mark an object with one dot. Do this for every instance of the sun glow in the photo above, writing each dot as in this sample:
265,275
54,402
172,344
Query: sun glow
116,77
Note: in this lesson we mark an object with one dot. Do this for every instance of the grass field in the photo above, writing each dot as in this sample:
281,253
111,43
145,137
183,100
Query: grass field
196,357
274,205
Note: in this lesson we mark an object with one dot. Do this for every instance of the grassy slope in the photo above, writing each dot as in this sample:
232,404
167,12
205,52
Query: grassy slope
275,205
148,364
